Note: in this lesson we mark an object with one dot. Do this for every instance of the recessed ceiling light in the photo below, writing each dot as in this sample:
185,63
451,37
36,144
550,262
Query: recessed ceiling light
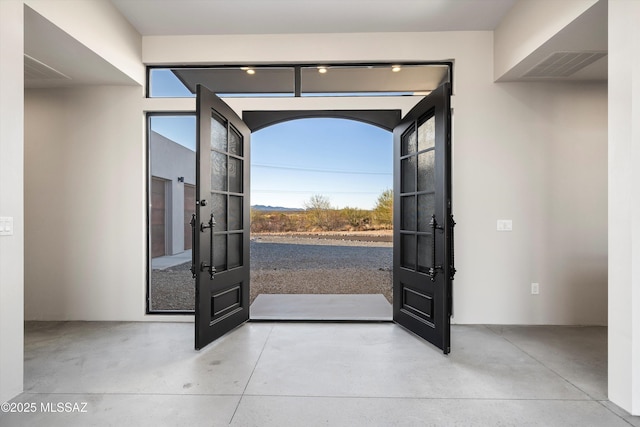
251,71
396,68
322,69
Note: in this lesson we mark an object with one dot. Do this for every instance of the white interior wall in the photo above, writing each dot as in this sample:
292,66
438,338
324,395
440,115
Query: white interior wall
576,216
85,204
541,161
624,204
11,199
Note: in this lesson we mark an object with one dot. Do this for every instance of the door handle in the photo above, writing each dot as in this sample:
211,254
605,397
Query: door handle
452,261
433,271
210,266
193,249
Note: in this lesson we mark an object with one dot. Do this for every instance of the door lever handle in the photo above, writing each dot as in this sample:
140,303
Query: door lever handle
210,266
433,271
452,261
193,249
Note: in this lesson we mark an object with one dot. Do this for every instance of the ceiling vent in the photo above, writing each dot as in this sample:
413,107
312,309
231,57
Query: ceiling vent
36,70
563,64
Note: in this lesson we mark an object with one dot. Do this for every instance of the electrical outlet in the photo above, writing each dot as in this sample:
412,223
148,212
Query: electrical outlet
535,289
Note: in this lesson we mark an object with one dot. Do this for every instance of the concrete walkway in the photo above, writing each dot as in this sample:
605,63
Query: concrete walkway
344,307
164,262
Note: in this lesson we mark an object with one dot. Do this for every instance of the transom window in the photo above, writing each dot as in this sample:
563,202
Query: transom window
300,80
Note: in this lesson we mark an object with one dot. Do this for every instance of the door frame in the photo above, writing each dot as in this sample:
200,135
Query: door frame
148,176
258,119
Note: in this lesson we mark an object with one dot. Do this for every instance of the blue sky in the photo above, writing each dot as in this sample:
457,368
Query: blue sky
346,161
165,84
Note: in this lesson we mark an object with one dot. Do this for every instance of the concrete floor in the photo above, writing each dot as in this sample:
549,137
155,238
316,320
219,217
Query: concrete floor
311,374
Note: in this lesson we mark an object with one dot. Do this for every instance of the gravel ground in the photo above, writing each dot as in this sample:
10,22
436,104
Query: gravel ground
292,265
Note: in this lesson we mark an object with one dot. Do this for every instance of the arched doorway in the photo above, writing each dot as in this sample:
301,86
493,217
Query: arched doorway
321,220
365,154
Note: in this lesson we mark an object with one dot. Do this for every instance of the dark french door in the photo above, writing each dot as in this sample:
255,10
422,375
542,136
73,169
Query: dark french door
423,267
423,225
221,222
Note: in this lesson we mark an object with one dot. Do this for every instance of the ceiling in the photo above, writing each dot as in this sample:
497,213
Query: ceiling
201,17
53,58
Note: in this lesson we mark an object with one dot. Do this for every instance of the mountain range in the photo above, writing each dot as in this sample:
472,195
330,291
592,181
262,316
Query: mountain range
274,208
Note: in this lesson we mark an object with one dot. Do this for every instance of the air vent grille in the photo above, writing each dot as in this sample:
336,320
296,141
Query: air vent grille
36,70
563,64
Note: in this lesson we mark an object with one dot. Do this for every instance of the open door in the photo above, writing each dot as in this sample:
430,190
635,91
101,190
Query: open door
423,226
221,222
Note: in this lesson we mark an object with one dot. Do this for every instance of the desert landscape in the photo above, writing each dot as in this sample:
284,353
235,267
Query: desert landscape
342,262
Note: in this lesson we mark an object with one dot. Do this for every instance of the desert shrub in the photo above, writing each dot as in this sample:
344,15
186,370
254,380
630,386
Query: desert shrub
276,222
320,216
383,211
357,219
319,212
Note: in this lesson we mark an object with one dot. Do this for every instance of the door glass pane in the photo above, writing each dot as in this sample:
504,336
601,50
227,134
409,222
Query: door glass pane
219,207
370,79
235,213
427,134
408,171
425,252
172,169
426,171
235,142
408,251
235,175
426,208
220,252
218,171
235,250
409,144
218,133
408,219
189,210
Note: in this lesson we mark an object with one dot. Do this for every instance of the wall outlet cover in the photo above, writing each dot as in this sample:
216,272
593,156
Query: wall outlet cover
6,226
504,225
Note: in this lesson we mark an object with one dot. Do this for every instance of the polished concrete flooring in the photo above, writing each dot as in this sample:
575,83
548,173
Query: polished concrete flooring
343,307
313,374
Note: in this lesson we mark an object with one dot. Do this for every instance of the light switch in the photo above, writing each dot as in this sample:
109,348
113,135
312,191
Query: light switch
504,225
6,226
